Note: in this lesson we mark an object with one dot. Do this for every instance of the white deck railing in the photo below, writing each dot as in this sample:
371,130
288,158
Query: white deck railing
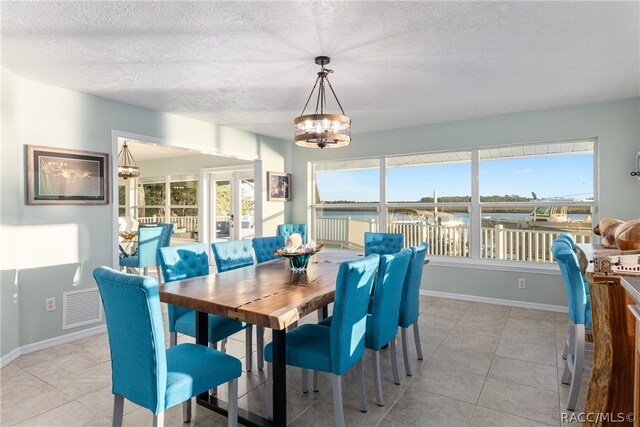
187,223
497,242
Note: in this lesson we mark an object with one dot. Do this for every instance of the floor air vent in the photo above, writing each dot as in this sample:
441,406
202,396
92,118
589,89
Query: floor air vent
81,308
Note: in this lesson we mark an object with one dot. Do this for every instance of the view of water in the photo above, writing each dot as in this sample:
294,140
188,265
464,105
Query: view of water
461,216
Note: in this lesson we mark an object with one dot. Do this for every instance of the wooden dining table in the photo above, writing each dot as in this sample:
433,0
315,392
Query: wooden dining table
267,294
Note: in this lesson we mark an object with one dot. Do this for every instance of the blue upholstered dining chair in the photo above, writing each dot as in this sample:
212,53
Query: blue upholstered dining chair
149,241
286,230
142,370
167,228
382,243
579,304
183,262
232,254
382,326
264,247
410,303
337,348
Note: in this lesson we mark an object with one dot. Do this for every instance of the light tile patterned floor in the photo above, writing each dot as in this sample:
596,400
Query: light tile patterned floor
484,365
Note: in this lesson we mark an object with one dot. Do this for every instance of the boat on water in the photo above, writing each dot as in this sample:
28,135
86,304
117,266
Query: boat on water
541,218
409,215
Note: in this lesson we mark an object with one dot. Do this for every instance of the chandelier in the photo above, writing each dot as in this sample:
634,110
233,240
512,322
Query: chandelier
320,130
127,167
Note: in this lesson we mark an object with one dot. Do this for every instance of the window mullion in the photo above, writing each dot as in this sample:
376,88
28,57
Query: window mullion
475,220
382,206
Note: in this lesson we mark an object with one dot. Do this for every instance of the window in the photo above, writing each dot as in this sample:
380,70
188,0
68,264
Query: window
525,196
122,200
428,200
347,195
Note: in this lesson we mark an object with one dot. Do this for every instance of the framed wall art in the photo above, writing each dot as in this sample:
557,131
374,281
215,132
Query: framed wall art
68,177
279,187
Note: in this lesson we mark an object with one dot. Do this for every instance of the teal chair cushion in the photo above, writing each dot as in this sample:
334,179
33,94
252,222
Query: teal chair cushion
264,247
306,348
382,243
286,230
191,369
410,301
220,327
232,255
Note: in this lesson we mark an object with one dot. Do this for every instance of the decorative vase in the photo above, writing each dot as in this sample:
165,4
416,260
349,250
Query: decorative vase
298,263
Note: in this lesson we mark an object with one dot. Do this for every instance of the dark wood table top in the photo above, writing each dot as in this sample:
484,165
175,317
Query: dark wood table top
266,294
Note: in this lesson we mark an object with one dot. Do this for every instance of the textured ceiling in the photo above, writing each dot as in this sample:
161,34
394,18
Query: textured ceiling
250,64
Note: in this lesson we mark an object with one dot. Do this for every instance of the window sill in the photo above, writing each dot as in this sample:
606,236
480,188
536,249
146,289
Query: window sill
505,266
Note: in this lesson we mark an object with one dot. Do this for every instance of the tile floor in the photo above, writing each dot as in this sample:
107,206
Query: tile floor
484,365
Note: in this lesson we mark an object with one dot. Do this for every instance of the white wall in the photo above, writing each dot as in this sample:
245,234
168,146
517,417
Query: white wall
184,165
61,245
616,124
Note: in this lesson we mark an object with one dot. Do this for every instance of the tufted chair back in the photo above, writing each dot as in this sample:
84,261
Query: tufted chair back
184,261
410,303
382,324
286,230
382,243
577,298
233,254
168,232
348,327
264,247
136,336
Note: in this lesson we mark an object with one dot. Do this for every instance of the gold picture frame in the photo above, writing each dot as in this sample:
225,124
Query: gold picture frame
278,187
57,176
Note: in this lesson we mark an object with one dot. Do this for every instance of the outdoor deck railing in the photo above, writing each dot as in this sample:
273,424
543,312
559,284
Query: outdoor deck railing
497,242
187,223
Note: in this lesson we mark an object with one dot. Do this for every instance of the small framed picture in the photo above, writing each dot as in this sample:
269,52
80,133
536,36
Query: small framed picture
57,176
279,189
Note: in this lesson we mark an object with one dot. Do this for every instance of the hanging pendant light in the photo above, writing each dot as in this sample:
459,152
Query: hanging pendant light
320,130
127,167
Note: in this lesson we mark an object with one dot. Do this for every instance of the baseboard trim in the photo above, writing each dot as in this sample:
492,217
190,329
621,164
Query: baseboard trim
497,301
51,342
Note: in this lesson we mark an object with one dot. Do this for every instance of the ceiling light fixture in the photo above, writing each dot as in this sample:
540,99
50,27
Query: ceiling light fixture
320,130
127,167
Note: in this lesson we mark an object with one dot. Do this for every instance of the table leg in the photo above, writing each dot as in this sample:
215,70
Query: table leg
202,337
279,377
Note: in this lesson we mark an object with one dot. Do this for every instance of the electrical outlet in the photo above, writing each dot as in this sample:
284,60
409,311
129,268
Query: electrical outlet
522,283
50,304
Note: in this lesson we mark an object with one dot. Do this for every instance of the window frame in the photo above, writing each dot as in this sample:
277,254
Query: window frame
474,207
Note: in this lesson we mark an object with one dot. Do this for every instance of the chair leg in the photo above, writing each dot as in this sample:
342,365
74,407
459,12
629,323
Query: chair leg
158,271
405,352
578,366
249,349
173,339
305,380
232,415
360,379
186,411
377,381
260,342
223,345
416,337
394,361
118,410
213,391
158,419
566,374
145,271
338,410
315,381
269,391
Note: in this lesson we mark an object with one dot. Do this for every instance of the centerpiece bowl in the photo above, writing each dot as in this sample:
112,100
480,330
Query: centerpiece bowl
298,257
